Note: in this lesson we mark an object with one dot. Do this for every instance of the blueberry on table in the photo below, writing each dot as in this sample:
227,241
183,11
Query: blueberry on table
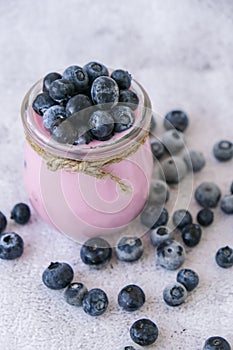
223,150
96,252
75,293
231,189
174,294
52,116
48,79
188,278
216,343
61,90
191,234
21,213
104,92
95,302
101,124
11,245
173,141
157,149
57,275
129,347
176,119
122,78
123,118
42,102
129,249
181,218
144,332
170,254
64,132
227,204
159,192
173,169
131,297
95,70
207,194
3,222
224,257
194,160
160,234
205,217
77,103
129,98
154,215
152,124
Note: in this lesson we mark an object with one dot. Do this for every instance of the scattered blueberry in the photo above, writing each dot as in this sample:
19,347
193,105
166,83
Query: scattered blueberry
96,252
64,132
170,254
205,217
157,149
48,79
101,124
78,76
61,90
182,218
129,98
95,302
216,343
105,92
77,103
144,332
42,102
11,245
188,278
129,347
160,234
129,249
231,189
123,117
154,216
122,77
3,222
52,116
173,141
223,150
191,234
174,294
95,70
194,160
173,170
152,124
227,204
75,293
159,192
21,213
57,275
224,257
208,194
131,297
176,119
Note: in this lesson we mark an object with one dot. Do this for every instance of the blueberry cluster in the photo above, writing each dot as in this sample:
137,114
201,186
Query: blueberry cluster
86,103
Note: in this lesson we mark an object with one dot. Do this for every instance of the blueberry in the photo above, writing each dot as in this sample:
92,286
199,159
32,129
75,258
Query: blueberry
188,278
174,294
78,76
157,149
223,150
170,254
205,217
154,216
95,70
48,79
123,117
129,98
152,124
21,213
75,293
64,132
160,234
176,119
144,332
57,275
207,194
129,249
131,297
101,124
42,102
122,77
191,234
182,218
61,90
77,103
105,92
11,245
95,302
53,115
159,192
224,257
216,343
173,169
231,189
173,141
83,136
3,222
194,160
129,347
227,204
96,252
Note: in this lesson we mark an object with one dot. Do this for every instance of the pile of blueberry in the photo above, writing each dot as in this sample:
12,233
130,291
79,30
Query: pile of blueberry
86,103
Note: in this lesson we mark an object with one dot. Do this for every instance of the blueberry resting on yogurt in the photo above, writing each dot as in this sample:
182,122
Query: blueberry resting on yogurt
101,124
123,117
95,70
216,343
75,293
11,245
176,119
61,90
83,135
64,132
21,213
52,116
42,102
144,332
48,79
104,92
95,302
57,275
77,103
78,76
122,77
174,294
96,252
131,297
129,249
3,222
129,98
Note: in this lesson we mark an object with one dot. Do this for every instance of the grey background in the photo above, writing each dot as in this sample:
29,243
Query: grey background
182,53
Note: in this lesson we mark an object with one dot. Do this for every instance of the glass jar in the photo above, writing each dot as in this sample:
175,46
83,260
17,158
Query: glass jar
82,205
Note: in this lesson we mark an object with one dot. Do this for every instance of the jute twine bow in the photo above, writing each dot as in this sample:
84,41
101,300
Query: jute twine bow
94,168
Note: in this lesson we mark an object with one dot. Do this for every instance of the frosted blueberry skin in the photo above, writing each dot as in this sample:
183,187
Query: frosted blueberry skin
173,141
207,194
21,213
216,343
48,79
227,204
191,234
224,257
96,252
205,217
61,90
129,98
181,218
95,70
131,298
154,216
57,275
176,119
101,124
75,293
170,255
174,294
159,235
173,170
122,78
188,278
159,192
129,249
95,302
195,161
78,76
3,222
157,149
42,102
123,118
223,150
11,246
144,332
64,132
53,116
104,92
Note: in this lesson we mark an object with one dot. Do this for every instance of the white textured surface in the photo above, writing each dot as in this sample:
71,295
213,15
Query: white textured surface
182,52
